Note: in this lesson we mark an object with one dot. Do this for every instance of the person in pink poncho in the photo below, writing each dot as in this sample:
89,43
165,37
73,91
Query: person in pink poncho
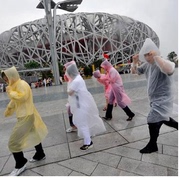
117,92
103,79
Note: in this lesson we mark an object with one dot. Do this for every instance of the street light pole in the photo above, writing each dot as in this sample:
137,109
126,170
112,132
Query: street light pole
67,5
54,21
52,40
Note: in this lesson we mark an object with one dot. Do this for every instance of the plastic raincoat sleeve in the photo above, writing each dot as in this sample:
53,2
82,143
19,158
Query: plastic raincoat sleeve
20,94
166,66
10,109
141,69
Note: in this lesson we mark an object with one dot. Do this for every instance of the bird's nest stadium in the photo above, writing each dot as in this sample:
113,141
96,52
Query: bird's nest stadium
82,37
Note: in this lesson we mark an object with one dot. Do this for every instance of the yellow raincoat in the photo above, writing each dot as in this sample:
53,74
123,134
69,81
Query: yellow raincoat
29,130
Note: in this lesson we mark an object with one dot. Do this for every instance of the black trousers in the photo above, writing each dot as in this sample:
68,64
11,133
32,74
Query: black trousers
71,121
21,160
155,127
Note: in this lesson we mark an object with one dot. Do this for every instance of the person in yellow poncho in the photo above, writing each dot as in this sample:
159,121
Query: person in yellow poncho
29,130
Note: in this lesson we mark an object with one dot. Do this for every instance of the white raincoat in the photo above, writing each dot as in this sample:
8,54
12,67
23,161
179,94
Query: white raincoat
83,107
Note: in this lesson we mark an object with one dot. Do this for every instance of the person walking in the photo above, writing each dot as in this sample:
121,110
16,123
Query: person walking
103,79
117,92
72,127
158,72
83,107
29,130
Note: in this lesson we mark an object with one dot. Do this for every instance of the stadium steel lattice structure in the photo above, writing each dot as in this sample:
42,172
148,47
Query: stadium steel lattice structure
82,37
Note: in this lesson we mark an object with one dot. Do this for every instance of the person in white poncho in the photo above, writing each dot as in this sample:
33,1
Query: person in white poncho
83,107
158,72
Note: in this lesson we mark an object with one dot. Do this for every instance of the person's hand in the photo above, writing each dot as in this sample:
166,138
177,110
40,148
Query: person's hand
153,53
8,89
135,58
8,112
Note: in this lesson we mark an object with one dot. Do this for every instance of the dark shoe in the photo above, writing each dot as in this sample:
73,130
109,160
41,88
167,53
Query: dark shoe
108,119
37,157
86,147
32,160
149,149
130,118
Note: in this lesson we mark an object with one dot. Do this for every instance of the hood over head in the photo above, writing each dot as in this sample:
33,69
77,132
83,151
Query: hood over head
12,75
148,46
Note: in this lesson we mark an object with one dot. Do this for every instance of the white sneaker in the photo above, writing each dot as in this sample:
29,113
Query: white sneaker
32,160
71,129
16,172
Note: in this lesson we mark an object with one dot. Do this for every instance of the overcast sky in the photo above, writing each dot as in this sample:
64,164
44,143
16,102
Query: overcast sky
160,15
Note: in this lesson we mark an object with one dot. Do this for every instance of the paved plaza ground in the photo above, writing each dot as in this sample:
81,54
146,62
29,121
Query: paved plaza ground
115,152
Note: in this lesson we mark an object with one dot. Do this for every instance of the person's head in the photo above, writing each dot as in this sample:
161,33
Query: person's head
72,71
68,64
106,65
4,77
148,51
10,75
149,57
97,74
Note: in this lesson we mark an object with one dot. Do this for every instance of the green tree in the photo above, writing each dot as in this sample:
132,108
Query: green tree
172,56
32,65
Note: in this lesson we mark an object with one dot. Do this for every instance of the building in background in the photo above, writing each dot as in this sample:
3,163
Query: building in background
83,37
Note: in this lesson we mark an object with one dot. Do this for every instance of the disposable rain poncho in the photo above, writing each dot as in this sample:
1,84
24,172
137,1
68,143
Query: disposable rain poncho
83,107
159,84
29,130
117,86
103,79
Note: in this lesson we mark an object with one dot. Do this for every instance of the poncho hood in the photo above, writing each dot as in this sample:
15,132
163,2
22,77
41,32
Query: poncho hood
12,75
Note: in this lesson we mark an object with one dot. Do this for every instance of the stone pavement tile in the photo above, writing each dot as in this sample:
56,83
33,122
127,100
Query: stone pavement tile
136,133
162,160
172,172
56,131
170,150
103,170
125,152
52,170
3,161
141,132
79,165
125,173
29,173
119,122
142,168
104,158
141,144
53,154
141,106
74,173
9,166
100,142
137,94
170,138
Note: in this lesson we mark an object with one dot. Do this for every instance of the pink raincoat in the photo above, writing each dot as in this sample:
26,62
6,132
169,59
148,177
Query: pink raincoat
103,79
117,91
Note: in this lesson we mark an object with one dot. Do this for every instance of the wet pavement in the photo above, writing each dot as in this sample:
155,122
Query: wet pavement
115,152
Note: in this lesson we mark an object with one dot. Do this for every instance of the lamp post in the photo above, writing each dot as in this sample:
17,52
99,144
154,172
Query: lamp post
67,5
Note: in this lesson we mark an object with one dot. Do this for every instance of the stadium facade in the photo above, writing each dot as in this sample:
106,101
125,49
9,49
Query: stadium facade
82,37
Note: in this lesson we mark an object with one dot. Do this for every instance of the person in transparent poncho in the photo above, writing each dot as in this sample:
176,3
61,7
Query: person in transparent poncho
30,129
83,107
103,79
72,127
117,92
158,72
